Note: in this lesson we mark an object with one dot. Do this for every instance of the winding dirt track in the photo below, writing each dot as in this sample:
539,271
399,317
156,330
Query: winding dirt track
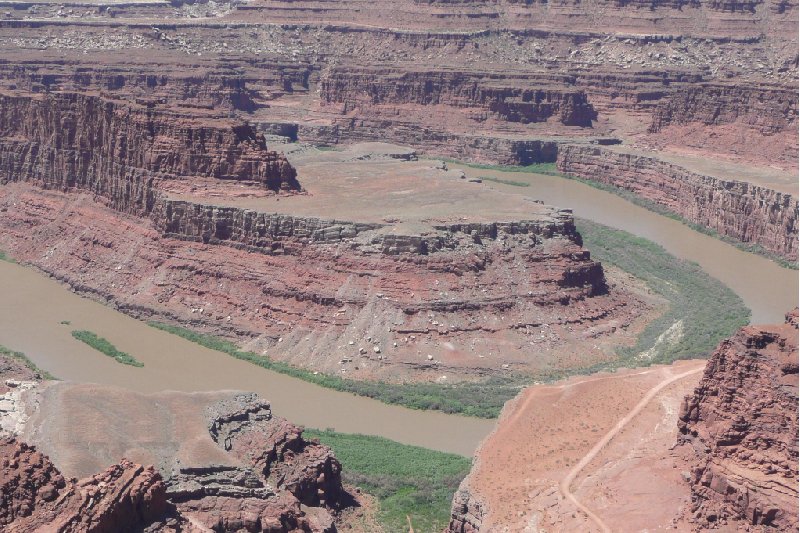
564,486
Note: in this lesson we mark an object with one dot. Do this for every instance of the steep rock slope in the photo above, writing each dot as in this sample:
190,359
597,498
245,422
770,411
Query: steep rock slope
263,477
744,211
742,423
124,497
120,150
374,300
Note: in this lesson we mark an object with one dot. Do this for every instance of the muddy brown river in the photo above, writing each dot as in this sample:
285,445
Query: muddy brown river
34,307
30,321
768,289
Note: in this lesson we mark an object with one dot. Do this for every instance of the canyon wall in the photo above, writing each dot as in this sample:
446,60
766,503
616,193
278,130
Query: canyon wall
124,497
365,300
742,423
229,465
118,150
119,165
512,100
744,211
766,110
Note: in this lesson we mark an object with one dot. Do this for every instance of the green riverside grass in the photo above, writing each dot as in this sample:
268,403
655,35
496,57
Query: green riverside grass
43,374
482,400
103,346
709,309
6,258
407,480
505,182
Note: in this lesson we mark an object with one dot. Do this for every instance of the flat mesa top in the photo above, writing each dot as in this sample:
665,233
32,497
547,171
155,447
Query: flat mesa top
376,183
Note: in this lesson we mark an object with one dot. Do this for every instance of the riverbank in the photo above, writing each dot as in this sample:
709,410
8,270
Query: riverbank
551,169
701,311
766,288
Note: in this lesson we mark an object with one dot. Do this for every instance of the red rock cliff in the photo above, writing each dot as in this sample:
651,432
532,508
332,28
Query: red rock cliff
34,494
749,213
742,422
120,150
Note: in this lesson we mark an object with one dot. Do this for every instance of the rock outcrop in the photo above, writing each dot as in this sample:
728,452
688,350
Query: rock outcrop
285,483
744,211
766,110
125,497
264,478
245,427
742,423
466,513
120,150
348,287
507,98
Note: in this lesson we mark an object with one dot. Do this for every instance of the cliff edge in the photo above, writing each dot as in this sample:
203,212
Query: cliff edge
742,422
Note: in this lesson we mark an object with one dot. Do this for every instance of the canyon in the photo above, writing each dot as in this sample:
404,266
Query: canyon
747,212
147,183
289,176
511,83
386,295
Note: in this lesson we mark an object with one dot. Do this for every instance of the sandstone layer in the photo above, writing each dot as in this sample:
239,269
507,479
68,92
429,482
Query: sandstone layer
746,212
373,304
509,82
124,497
224,463
120,151
741,423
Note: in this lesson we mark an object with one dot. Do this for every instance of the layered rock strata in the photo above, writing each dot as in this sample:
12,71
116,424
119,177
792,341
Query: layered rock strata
120,151
742,423
125,497
506,98
744,211
766,110
374,300
284,483
263,477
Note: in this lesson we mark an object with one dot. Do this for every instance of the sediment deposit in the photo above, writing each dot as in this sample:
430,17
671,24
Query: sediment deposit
363,299
741,424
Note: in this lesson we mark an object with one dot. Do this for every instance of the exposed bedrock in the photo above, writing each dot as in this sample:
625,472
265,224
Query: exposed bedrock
284,482
468,147
742,423
765,109
467,512
121,150
746,212
375,300
225,464
506,97
245,427
125,497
